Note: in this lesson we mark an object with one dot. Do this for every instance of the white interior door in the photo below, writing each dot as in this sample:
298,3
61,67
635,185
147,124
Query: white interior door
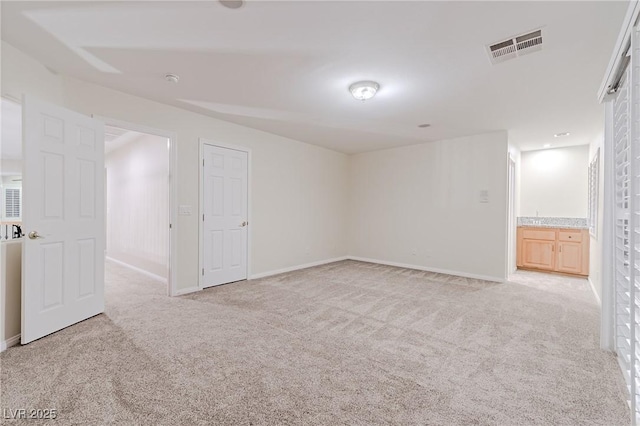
224,215
63,217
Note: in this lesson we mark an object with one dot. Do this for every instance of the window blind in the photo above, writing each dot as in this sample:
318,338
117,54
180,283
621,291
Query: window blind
12,203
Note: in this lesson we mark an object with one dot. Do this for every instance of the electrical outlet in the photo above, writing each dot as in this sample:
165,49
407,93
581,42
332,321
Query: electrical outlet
184,210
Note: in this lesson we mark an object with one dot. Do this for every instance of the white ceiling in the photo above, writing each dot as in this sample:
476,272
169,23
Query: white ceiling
284,67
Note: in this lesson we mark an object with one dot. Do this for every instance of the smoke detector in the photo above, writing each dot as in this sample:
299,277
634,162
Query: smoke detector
515,47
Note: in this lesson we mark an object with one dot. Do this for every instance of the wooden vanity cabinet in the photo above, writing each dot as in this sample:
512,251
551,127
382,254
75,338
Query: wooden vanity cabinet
551,249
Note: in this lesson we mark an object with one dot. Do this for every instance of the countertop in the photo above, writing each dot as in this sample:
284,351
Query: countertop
554,222
12,241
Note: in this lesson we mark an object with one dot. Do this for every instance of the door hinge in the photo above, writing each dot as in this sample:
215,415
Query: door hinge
169,226
203,217
203,162
202,271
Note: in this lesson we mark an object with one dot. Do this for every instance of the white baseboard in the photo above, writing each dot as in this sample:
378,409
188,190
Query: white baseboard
380,262
183,291
297,267
135,268
429,269
12,341
595,293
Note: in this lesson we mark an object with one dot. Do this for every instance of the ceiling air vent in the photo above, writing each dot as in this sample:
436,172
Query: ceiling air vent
515,46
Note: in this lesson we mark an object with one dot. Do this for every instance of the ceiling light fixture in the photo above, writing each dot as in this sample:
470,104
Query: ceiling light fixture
363,90
559,135
232,4
422,126
171,78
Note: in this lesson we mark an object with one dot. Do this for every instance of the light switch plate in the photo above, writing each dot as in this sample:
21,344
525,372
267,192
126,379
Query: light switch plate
184,210
484,195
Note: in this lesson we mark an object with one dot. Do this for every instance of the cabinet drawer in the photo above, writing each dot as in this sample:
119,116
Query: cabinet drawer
539,234
570,236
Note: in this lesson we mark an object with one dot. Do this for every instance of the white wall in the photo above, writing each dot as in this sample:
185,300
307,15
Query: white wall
138,204
11,167
299,206
554,182
420,205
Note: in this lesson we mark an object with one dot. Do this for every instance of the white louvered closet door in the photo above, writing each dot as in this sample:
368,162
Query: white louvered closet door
623,335
626,140
634,206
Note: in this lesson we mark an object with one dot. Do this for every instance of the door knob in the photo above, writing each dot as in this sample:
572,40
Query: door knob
244,224
34,234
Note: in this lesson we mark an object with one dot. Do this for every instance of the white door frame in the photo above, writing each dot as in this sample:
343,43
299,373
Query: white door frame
204,142
172,279
511,216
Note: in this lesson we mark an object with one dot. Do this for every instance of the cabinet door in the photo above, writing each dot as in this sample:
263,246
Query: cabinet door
569,257
538,254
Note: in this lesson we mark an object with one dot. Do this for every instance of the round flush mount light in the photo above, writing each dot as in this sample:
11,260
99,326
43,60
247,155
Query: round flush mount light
232,4
172,78
363,90
559,135
425,125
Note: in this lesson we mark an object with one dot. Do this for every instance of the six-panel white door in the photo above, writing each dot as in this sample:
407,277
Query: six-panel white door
224,215
63,217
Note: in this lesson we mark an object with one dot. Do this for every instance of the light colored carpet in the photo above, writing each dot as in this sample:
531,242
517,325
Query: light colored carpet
345,343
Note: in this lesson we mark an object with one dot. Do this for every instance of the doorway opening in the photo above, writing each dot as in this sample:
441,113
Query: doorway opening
553,233
139,200
65,150
11,228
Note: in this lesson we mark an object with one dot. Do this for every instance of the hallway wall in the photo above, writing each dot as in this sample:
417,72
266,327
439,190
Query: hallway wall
138,204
